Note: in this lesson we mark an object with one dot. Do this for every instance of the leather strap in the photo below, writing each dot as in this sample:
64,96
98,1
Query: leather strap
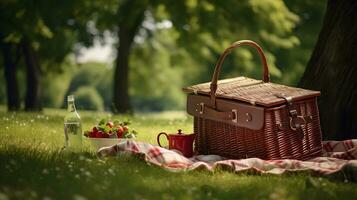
295,121
227,111
222,115
287,124
219,63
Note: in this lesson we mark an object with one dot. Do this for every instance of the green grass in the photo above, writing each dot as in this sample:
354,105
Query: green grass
33,167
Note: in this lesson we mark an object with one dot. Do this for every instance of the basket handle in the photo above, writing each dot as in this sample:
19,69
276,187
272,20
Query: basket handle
219,63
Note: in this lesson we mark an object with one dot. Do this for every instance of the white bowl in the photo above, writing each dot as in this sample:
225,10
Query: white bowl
98,143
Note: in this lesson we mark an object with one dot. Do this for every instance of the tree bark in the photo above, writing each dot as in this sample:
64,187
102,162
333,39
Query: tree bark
33,78
10,59
129,24
332,69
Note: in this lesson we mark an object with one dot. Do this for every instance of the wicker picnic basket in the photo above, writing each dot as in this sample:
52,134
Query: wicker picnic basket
243,117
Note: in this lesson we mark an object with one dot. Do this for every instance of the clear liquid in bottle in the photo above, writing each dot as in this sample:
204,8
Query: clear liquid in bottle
72,127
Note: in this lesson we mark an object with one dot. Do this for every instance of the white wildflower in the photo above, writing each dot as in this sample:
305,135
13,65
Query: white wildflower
79,197
87,173
13,162
33,194
3,196
45,171
46,198
111,171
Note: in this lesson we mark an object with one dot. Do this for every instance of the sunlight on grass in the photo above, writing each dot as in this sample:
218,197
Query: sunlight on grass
34,167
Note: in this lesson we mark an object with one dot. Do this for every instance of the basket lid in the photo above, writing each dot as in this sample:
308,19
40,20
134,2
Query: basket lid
255,92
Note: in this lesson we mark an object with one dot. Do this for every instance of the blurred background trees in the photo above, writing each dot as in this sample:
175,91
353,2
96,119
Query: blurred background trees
159,47
36,37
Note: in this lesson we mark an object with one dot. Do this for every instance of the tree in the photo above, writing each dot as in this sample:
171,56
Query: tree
128,28
332,69
11,56
204,29
33,77
45,34
22,26
292,63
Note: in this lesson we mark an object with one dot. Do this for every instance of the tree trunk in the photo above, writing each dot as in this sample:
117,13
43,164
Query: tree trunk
332,69
33,78
128,26
10,59
121,74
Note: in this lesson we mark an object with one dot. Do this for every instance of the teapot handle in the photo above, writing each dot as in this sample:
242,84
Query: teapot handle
158,137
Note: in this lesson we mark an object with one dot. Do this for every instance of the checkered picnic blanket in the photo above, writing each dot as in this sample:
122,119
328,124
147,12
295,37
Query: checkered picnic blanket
336,156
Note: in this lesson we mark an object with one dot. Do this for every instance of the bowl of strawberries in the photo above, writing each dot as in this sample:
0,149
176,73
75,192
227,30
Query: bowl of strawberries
108,133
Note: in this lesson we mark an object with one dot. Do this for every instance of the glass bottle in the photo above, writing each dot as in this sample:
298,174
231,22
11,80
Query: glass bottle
72,126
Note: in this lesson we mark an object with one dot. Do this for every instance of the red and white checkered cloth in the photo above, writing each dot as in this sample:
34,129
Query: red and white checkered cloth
336,156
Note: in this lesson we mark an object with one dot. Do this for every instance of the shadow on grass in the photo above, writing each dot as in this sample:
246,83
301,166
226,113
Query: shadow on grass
31,173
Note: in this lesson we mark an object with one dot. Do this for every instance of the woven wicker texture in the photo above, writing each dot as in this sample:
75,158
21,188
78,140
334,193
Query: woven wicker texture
281,137
271,142
252,91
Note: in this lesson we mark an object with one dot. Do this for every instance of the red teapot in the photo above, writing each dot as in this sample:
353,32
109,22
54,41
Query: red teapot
179,141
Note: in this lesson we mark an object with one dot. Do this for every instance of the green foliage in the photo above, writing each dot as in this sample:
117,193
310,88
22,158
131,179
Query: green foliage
293,62
52,30
186,53
104,86
56,85
209,27
96,75
88,98
177,44
156,79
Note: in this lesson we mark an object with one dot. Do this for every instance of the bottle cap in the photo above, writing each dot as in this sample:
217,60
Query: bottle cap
70,98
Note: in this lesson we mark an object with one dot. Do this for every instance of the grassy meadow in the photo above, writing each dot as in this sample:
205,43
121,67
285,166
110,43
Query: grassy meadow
34,167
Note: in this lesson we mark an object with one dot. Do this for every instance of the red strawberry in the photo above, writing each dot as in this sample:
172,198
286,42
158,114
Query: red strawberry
125,129
105,135
120,129
120,132
99,134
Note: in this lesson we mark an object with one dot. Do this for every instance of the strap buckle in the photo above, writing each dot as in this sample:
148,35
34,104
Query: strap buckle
296,122
202,106
235,115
